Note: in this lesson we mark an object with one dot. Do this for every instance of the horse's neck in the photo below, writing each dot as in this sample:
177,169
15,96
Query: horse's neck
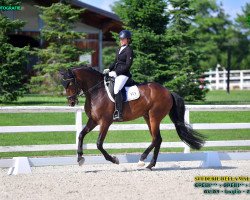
90,81
93,82
94,90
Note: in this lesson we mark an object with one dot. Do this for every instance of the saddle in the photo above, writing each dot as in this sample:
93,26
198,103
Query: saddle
129,92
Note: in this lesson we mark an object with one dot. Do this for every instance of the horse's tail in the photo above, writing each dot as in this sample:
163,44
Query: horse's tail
186,133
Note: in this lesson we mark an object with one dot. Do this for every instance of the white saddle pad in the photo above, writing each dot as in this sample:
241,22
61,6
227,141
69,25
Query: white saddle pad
131,92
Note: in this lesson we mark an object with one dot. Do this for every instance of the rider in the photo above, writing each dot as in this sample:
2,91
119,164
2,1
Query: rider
120,70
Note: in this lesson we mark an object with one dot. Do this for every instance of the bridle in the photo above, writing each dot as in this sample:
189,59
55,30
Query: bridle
78,91
66,82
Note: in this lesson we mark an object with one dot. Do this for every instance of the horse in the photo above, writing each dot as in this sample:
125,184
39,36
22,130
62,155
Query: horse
154,103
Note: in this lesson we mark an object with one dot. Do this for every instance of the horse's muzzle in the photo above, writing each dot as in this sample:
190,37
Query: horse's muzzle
72,101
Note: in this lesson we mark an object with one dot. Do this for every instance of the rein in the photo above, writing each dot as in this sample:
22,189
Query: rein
77,88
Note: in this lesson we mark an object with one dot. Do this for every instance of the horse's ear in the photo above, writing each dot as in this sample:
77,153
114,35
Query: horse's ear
70,73
62,72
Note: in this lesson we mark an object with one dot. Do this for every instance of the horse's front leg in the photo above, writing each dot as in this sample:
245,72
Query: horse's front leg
103,132
89,127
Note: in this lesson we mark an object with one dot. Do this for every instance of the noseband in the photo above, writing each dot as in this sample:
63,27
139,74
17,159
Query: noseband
72,79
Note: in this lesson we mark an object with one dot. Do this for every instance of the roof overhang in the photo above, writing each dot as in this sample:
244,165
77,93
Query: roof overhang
101,19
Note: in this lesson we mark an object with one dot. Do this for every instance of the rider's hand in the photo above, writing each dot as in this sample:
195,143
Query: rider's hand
105,71
113,74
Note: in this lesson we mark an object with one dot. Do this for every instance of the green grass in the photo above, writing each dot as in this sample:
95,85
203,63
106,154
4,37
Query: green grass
212,97
220,117
18,119
221,97
112,137
42,100
21,119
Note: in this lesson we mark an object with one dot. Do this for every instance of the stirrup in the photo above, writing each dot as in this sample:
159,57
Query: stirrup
117,116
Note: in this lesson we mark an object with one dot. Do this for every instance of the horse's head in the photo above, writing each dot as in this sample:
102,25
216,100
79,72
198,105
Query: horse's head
83,79
70,84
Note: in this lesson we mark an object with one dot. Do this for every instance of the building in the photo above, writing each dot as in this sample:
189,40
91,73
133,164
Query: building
95,22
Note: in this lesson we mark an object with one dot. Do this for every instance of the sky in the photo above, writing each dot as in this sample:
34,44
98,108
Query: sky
232,7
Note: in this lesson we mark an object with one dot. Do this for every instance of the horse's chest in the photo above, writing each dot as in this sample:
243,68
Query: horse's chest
87,108
90,110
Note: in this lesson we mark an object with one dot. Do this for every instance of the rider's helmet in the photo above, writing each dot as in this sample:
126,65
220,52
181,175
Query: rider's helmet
125,34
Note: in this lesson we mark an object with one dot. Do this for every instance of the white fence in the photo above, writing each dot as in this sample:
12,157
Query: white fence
78,127
239,79
209,159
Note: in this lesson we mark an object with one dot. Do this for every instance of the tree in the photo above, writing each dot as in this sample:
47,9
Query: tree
217,35
61,51
243,31
243,20
205,19
147,20
12,59
162,40
108,55
183,59
230,39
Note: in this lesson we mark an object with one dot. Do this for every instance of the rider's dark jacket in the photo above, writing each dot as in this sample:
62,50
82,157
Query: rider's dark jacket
123,62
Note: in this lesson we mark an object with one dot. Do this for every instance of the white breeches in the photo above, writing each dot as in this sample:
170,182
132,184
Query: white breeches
119,83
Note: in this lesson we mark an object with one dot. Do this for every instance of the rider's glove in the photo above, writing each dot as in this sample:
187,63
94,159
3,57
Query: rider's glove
113,74
105,71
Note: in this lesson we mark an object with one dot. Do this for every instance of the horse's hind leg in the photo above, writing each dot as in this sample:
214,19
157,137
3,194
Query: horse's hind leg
157,140
89,127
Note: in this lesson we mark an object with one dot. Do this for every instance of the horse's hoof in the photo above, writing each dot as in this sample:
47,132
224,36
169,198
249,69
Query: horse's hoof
150,166
80,161
148,169
116,160
141,163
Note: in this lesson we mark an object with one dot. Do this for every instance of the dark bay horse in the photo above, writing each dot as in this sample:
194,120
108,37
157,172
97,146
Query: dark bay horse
153,105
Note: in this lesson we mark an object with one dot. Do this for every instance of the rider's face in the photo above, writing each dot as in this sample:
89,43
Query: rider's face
124,41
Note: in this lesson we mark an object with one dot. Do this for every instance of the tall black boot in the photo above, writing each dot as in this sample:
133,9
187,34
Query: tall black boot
118,107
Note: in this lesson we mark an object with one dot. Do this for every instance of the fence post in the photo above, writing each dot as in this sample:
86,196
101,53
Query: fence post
224,79
241,80
187,120
78,124
217,77
210,80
